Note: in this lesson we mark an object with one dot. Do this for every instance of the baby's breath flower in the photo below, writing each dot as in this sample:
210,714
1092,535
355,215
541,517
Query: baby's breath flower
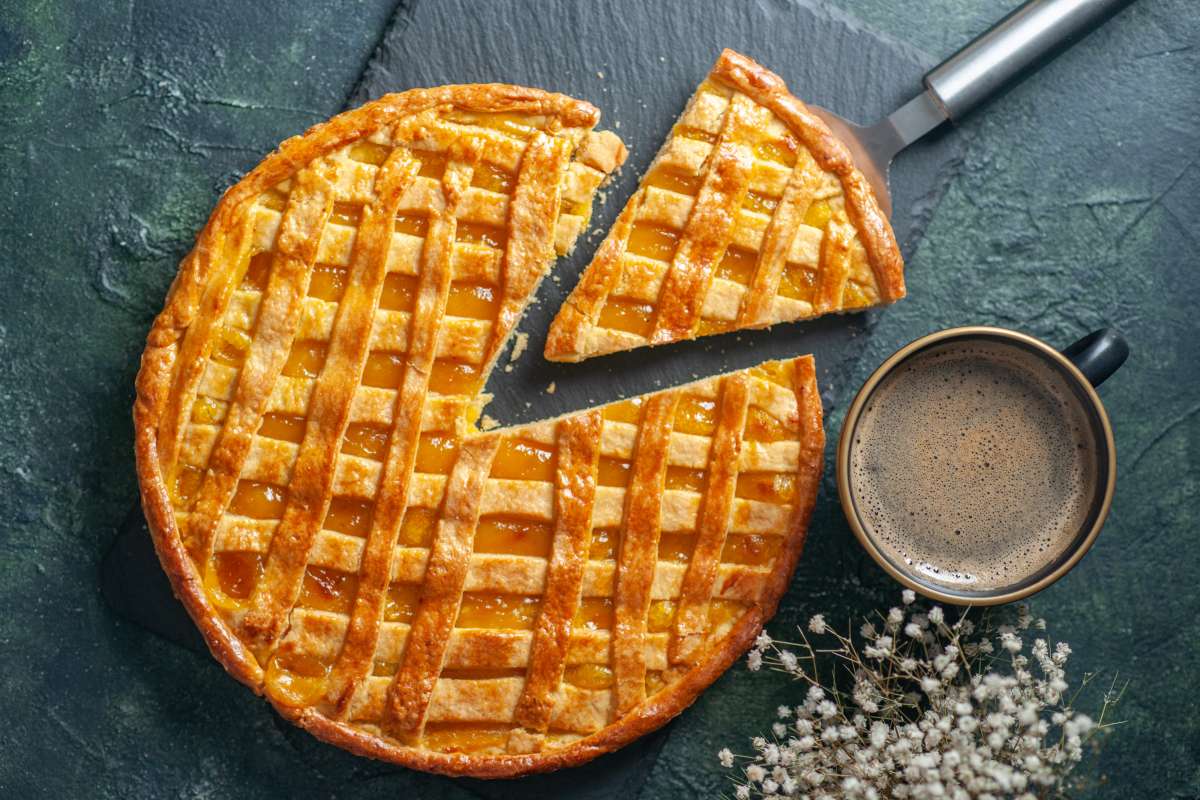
908,596
930,711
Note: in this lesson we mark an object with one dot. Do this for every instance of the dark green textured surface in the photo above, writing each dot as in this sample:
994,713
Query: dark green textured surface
1076,206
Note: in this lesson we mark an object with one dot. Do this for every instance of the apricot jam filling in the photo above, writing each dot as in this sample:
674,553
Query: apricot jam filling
274,199
369,152
760,203
696,415
433,164
818,215
454,377
751,549
476,233
687,479
346,214
492,178
365,441
401,603
305,359
589,676
604,544
208,411
770,487
436,453
237,573
418,527
473,300
398,292
738,265
799,282
465,737
509,124
519,459
412,224
595,613
230,348
672,181
384,370
660,615
721,612
513,536
653,241
762,427
654,681
258,271
285,427
349,516
625,411
782,151
328,282
631,316
698,134
613,472
492,610
187,483
676,547
258,500
327,589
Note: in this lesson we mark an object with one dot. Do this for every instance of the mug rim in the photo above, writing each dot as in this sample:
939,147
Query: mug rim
984,598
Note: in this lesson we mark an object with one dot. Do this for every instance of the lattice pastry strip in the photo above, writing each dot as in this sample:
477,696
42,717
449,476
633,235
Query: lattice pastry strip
751,214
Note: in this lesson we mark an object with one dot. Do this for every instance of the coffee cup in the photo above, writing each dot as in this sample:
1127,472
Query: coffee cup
977,465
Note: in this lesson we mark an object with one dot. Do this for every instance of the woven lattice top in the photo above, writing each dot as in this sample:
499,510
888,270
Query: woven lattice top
392,579
751,214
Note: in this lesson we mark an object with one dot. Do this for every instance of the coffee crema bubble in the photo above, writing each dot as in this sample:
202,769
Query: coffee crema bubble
974,464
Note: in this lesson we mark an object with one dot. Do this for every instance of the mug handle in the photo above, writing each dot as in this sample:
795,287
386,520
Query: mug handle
1099,354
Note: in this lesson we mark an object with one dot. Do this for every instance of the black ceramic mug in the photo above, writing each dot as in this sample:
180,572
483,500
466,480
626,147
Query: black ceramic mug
985,448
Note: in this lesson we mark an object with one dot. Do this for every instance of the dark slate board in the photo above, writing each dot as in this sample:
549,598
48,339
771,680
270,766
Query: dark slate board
638,62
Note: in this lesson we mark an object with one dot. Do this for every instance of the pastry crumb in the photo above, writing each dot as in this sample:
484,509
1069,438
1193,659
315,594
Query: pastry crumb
486,423
519,346
599,74
552,388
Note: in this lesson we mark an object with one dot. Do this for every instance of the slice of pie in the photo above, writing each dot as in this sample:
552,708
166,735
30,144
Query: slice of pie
393,580
752,213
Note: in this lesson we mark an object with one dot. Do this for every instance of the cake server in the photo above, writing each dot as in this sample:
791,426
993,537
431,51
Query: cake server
993,62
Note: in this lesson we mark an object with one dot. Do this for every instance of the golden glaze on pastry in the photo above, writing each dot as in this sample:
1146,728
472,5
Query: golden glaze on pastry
751,214
393,580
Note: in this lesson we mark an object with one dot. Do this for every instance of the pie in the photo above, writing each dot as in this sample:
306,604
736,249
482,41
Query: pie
752,213
394,580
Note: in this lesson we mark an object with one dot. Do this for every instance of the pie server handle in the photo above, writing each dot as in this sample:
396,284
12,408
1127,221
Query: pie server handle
1013,48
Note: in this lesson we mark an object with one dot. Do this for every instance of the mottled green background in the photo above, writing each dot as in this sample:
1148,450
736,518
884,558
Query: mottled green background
1076,206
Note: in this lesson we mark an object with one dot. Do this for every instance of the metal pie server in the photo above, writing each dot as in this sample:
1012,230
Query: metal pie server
995,61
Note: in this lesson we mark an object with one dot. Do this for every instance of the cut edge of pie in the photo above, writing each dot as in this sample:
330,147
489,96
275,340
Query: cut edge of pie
209,387
751,214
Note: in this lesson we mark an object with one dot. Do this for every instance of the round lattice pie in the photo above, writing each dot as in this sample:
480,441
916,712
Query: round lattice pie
353,547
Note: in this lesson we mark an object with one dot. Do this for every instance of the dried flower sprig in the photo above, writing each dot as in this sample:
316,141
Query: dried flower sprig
935,710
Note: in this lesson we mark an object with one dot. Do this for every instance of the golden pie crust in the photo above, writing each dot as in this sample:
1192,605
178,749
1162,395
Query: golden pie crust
752,213
351,546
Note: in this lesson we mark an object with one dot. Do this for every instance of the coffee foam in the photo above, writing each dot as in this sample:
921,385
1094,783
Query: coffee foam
973,463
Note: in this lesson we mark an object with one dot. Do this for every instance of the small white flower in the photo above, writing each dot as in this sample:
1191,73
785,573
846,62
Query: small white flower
817,624
754,660
909,596
762,641
789,661
912,630
725,757
779,729
936,615
783,712
755,773
742,792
